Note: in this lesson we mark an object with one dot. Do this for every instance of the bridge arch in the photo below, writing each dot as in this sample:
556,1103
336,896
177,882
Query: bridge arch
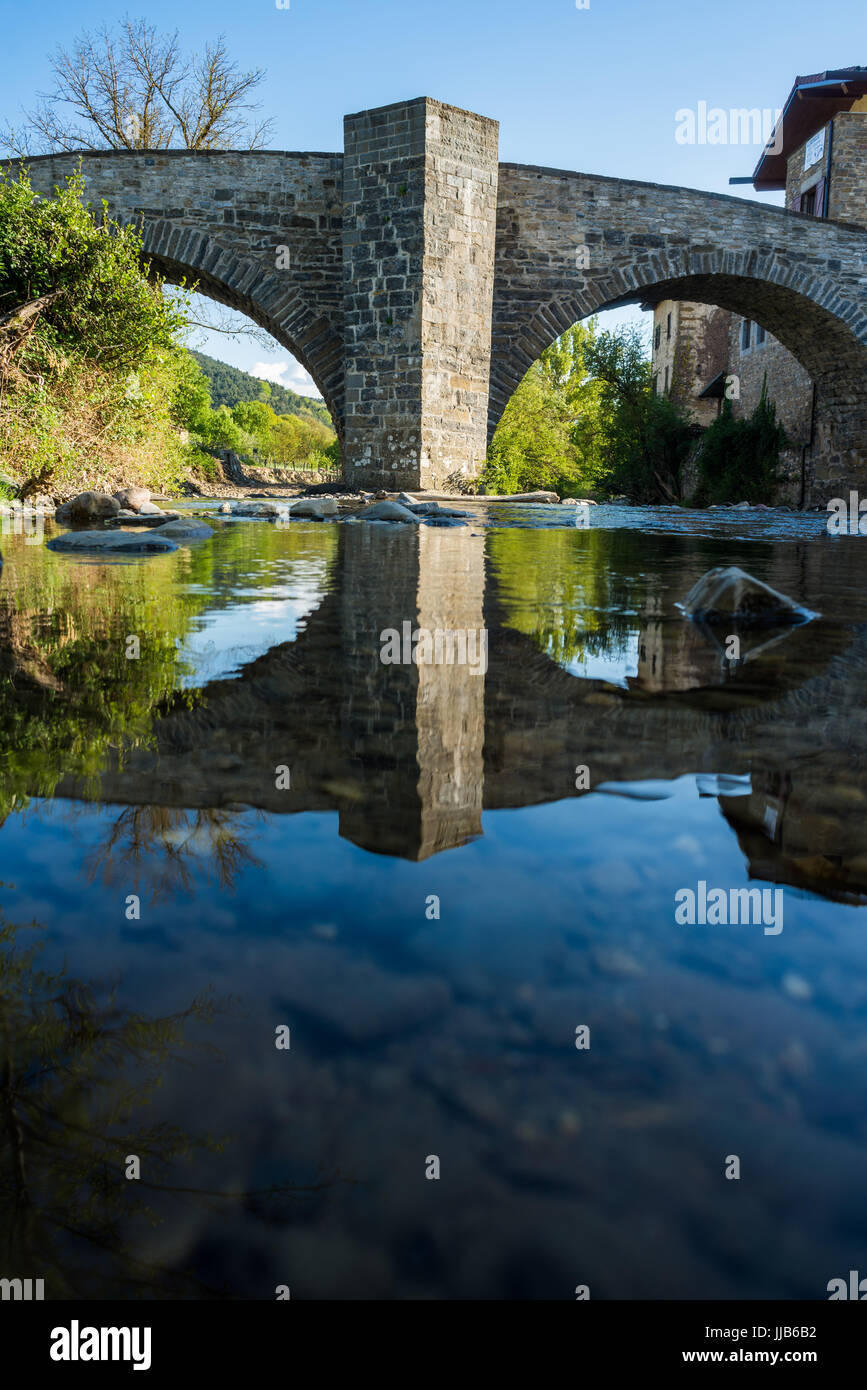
800,277
219,218
242,283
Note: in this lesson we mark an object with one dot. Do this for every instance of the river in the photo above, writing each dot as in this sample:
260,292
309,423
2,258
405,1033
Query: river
375,966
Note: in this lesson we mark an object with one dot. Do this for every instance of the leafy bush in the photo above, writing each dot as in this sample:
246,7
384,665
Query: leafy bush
87,389
738,459
647,437
548,437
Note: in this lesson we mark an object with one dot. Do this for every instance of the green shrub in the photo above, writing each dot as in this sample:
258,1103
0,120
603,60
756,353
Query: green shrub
738,459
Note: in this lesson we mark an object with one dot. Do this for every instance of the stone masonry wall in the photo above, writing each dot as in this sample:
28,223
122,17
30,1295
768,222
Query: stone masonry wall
694,352
420,187
401,246
801,277
458,287
848,185
383,250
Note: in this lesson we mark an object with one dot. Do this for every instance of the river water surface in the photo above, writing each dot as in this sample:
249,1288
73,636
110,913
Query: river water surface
314,937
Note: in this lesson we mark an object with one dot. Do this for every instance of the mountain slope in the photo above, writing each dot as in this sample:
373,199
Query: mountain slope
229,385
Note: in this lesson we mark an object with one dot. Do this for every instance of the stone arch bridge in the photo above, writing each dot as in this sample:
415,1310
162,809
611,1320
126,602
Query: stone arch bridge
417,279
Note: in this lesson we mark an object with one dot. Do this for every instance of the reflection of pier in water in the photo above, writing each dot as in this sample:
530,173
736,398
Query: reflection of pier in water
409,756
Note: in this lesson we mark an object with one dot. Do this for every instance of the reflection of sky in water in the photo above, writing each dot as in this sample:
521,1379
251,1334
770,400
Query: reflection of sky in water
222,640
456,1035
615,664
701,1046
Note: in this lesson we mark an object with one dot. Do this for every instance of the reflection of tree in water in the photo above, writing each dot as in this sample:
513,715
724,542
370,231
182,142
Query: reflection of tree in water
74,1070
575,593
162,848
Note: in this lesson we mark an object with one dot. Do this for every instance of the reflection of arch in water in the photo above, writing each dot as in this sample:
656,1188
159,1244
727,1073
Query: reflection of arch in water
410,759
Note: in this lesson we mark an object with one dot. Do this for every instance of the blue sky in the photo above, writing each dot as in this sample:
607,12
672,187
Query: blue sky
593,89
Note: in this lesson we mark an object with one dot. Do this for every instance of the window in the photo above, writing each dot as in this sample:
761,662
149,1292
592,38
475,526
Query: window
760,335
666,381
746,330
668,327
808,202
657,335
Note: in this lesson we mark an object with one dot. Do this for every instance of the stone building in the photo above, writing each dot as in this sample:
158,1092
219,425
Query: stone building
817,155
690,348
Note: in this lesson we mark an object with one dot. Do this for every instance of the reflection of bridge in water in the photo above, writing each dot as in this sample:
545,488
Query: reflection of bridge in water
410,756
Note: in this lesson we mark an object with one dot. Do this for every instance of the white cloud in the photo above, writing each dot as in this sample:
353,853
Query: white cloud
289,374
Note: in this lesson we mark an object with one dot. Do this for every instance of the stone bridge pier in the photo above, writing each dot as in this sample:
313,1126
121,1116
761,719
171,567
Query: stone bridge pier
417,279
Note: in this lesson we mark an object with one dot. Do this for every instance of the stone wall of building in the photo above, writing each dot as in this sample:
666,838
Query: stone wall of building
848,183
692,349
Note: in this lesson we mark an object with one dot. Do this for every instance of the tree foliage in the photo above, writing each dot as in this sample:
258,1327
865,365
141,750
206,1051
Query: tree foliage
647,437
230,385
738,459
89,375
549,434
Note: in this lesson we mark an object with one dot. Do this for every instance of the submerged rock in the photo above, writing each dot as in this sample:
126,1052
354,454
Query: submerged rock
156,518
314,507
433,509
113,542
527,497
86,508
186,528
387,511
260,509
132,499
729,595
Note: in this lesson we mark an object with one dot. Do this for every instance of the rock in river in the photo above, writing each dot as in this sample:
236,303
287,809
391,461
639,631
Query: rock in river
155,518
132,499
86,508
314,507
387,511
185,528
730,595
113,542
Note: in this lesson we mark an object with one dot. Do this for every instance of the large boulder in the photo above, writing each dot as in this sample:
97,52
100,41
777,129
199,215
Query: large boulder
132,499
87,508
387,511
728,595
113,542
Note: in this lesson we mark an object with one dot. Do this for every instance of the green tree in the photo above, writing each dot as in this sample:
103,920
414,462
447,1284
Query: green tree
647,438
549,435
738,459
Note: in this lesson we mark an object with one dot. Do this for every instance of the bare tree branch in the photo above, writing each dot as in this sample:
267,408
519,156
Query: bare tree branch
133,88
